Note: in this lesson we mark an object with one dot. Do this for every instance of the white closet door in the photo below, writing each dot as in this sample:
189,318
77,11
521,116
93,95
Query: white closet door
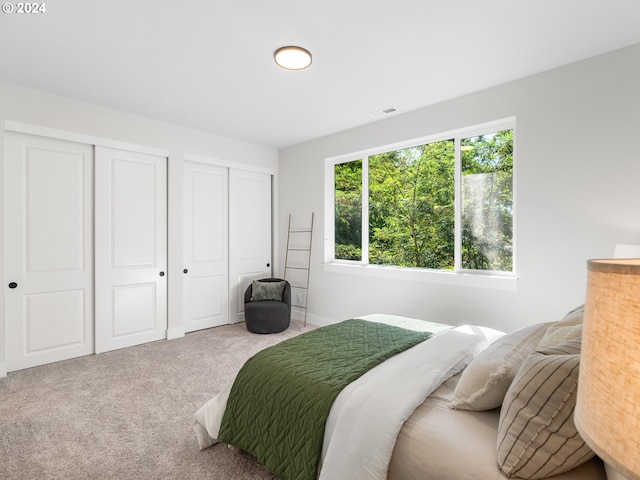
206,284
130,248
48,258
249,234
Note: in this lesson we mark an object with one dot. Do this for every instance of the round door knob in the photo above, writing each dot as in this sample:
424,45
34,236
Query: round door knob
268,264
185,271
162,274
13,285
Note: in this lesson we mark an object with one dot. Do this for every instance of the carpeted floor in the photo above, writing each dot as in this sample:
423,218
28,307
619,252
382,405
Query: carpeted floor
127,414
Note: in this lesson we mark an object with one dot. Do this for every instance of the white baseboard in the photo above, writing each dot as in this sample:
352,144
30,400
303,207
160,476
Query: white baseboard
175,332
317,320
3,369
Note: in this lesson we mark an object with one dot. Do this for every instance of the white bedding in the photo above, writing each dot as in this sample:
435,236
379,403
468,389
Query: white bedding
366,417
435,438
357,445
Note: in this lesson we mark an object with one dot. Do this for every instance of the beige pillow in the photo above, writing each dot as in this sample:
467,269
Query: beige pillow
566,329
485,381
537,437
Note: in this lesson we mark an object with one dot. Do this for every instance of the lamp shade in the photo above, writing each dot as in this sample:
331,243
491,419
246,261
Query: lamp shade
607,412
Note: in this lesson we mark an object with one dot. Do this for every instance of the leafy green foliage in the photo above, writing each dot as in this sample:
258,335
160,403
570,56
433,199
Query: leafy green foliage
487,202
348,214
412,205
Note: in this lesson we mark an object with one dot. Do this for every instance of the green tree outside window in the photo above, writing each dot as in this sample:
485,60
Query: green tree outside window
411,209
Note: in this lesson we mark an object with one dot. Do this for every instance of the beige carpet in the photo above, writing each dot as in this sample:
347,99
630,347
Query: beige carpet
126,414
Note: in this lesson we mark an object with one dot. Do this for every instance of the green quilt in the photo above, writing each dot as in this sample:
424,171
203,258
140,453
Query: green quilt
280,400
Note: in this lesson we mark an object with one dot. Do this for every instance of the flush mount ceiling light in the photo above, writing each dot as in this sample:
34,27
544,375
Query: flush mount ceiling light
292,58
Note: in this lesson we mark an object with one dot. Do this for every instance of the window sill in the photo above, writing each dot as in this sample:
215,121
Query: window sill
463,279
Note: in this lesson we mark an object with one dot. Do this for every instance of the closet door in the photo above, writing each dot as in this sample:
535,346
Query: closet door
206,285
130,248
249,234
48,258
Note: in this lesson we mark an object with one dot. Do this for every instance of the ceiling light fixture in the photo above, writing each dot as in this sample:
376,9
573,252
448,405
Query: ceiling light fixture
292,58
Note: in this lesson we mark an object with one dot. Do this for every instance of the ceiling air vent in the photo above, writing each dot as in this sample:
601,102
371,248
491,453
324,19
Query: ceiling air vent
386,111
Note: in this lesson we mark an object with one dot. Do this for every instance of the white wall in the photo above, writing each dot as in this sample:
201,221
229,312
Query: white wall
43,110
577,188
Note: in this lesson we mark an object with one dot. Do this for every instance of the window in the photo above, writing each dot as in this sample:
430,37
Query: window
487,201
443,204
348,212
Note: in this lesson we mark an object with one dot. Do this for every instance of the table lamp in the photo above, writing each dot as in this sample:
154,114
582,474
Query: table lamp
607,412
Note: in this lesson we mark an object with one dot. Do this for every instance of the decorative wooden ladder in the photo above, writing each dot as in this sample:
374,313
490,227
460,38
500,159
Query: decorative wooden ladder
297,264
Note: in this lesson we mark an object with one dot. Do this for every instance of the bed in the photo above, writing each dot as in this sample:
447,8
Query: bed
430,411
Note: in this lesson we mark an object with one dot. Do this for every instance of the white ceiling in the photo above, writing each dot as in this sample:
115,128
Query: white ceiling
208,64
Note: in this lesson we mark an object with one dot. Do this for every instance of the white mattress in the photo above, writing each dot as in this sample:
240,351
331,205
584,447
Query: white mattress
439,443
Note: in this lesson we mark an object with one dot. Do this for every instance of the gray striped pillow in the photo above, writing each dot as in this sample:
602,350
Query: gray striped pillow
537,437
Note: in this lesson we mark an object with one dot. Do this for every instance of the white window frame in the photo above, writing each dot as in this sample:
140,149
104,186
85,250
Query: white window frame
457,276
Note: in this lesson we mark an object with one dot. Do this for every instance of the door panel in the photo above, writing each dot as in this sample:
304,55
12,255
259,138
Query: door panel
249,234
54,320
208,298
205,246
133,311
48,250
134,216
131,248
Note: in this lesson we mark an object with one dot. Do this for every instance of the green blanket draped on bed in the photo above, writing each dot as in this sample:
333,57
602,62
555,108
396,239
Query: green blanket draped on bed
280,400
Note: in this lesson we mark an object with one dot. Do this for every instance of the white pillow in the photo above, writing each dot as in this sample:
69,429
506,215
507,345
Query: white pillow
568,328
485,381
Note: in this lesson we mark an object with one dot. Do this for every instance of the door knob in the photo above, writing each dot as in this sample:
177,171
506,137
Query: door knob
162,274
13,285
268,264
185,271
